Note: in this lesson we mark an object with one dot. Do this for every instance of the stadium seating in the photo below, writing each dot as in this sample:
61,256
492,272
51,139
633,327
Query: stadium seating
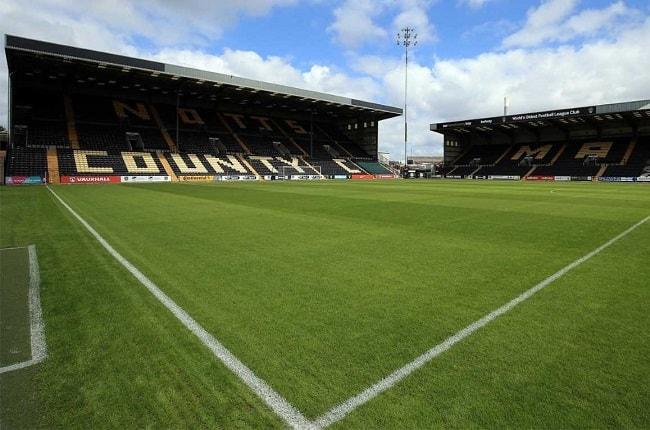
444,170
201,164
106,162
26,162
336,167
104,123
481,155
102,136
40,119
267,165
462,171
143,137
639,159
199,131
343,142
581,158
374,167
521,158
574,159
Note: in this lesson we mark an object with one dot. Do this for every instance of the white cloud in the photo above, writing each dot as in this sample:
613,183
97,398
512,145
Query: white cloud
552,22
161,22
275,69
414,14
499,28
474,4
354,23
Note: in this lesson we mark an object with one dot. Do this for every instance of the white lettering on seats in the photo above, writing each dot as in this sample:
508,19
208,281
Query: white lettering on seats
344,167
265,161
189,116
293,163
81,162
132,167
184,168
237,118
297,128
264,122
232,163
599,149
140,110
526,150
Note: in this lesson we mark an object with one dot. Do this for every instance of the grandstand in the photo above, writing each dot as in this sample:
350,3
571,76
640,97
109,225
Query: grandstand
606,142
78,115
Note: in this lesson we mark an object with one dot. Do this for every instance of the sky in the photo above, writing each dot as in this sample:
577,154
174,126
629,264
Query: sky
542,54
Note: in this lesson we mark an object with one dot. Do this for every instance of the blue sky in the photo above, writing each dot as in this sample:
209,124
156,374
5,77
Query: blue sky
543,54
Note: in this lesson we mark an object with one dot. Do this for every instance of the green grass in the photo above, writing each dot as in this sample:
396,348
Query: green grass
324,288
16,390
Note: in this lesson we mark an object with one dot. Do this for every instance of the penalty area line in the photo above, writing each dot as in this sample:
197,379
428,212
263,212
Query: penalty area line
339,412
274,400
36,326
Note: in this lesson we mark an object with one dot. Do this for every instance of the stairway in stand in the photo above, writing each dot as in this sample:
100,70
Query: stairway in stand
601,171
53,166
166,166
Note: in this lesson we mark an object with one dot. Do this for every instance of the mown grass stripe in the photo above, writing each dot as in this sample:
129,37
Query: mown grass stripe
339,412
275,401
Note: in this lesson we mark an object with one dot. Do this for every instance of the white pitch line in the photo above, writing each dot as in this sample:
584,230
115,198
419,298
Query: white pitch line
39,346
275,401
343,409
37,328
17,366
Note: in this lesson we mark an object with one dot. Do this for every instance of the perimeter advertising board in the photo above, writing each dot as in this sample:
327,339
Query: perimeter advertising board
304,177
616,179
504,177
196,178
145,179
105,179
24,180
363,177
235,178
540,178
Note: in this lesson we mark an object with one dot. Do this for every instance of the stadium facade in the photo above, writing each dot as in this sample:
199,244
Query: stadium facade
608,142
83,116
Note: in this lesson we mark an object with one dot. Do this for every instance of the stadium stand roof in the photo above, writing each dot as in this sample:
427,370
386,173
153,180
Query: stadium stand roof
608,115
23,54
625,120
628,115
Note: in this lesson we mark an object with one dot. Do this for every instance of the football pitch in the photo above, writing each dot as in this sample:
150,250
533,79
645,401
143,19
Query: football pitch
331,295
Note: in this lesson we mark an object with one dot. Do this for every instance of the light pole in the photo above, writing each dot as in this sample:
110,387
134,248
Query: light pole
406,37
